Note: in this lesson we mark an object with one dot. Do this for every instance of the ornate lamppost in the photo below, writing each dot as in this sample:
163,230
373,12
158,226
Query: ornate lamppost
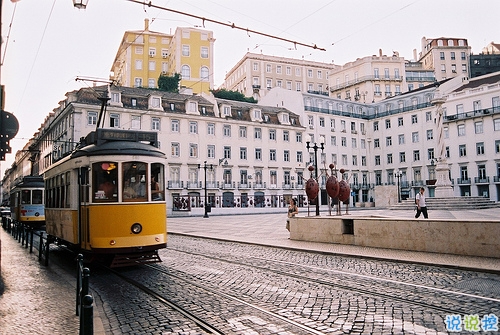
398,175
315,147
206,166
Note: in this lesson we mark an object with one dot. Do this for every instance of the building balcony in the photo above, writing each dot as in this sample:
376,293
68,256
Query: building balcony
212,185
463,181
244,186
484,180
228,186
417,183
259,186
496,179
175,185
193,185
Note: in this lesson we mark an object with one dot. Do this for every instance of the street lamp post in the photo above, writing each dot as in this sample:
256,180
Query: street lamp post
205,204
398,175
315,147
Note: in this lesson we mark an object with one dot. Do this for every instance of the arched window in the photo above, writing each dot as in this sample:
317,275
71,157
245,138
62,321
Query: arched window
204,73
186,72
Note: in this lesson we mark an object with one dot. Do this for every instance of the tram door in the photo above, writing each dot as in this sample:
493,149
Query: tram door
83,208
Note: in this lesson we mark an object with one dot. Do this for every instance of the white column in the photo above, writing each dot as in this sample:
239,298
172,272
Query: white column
444,189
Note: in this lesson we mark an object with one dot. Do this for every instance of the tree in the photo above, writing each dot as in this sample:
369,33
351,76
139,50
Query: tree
232,95
169,83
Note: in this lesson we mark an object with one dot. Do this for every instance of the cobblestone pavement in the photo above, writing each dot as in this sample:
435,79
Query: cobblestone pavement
334,294
35,299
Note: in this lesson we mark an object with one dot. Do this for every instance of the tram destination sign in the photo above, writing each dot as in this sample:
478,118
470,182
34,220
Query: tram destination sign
107,135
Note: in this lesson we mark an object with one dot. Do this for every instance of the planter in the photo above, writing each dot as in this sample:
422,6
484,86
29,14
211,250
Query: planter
370,204
359,204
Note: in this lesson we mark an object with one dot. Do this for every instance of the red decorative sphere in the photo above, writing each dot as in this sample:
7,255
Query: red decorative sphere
331,166
342,170
332,186
344,191
311,168
312,189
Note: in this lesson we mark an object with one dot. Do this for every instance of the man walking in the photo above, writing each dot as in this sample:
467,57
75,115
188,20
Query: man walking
421,206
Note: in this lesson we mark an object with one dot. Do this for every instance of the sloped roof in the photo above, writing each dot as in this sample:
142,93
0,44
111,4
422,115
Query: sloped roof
479,81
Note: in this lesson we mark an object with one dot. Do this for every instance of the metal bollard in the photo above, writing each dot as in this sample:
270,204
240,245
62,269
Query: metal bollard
28,230
31,241
40,248
47,250
87,317
79,269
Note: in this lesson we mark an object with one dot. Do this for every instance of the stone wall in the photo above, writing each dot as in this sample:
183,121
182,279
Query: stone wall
459,237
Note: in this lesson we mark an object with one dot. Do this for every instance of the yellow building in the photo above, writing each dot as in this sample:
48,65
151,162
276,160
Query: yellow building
143,55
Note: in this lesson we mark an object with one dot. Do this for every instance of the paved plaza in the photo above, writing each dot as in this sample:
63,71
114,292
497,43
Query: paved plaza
30,288
269,229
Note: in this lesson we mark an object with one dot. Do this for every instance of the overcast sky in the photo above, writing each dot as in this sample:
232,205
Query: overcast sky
50,43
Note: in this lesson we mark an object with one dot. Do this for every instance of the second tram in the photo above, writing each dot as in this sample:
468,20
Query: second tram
27,201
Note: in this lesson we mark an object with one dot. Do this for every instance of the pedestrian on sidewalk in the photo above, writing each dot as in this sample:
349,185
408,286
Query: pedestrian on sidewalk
421,205
292,210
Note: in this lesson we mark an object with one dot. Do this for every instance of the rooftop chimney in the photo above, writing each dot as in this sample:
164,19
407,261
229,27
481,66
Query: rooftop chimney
146,24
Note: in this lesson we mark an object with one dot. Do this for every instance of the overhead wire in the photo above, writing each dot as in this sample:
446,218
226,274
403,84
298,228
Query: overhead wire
8,34
231,25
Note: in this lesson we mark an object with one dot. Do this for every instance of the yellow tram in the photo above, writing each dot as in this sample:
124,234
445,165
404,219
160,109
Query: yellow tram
26,201
107,197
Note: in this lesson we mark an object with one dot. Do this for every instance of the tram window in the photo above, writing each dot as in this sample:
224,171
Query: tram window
58,192
105,181
67,186
157,182
134,181
26,197
37,197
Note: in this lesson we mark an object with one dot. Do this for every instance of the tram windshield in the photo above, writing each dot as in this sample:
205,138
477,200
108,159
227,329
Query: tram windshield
26,197
105,181
37,197
140,181
135,181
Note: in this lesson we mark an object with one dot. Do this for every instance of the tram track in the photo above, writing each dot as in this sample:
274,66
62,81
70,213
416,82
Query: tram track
412,298
199,321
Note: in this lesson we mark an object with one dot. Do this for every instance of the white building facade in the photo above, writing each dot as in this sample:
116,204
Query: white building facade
256,155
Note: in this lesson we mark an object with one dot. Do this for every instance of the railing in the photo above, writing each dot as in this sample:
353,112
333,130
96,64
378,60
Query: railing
463,181
470,114
365,115
187,202
485,180
318,92
359,80
84,301
25,234
424,79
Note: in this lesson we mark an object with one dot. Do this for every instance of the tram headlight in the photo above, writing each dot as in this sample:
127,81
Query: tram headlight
136,228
